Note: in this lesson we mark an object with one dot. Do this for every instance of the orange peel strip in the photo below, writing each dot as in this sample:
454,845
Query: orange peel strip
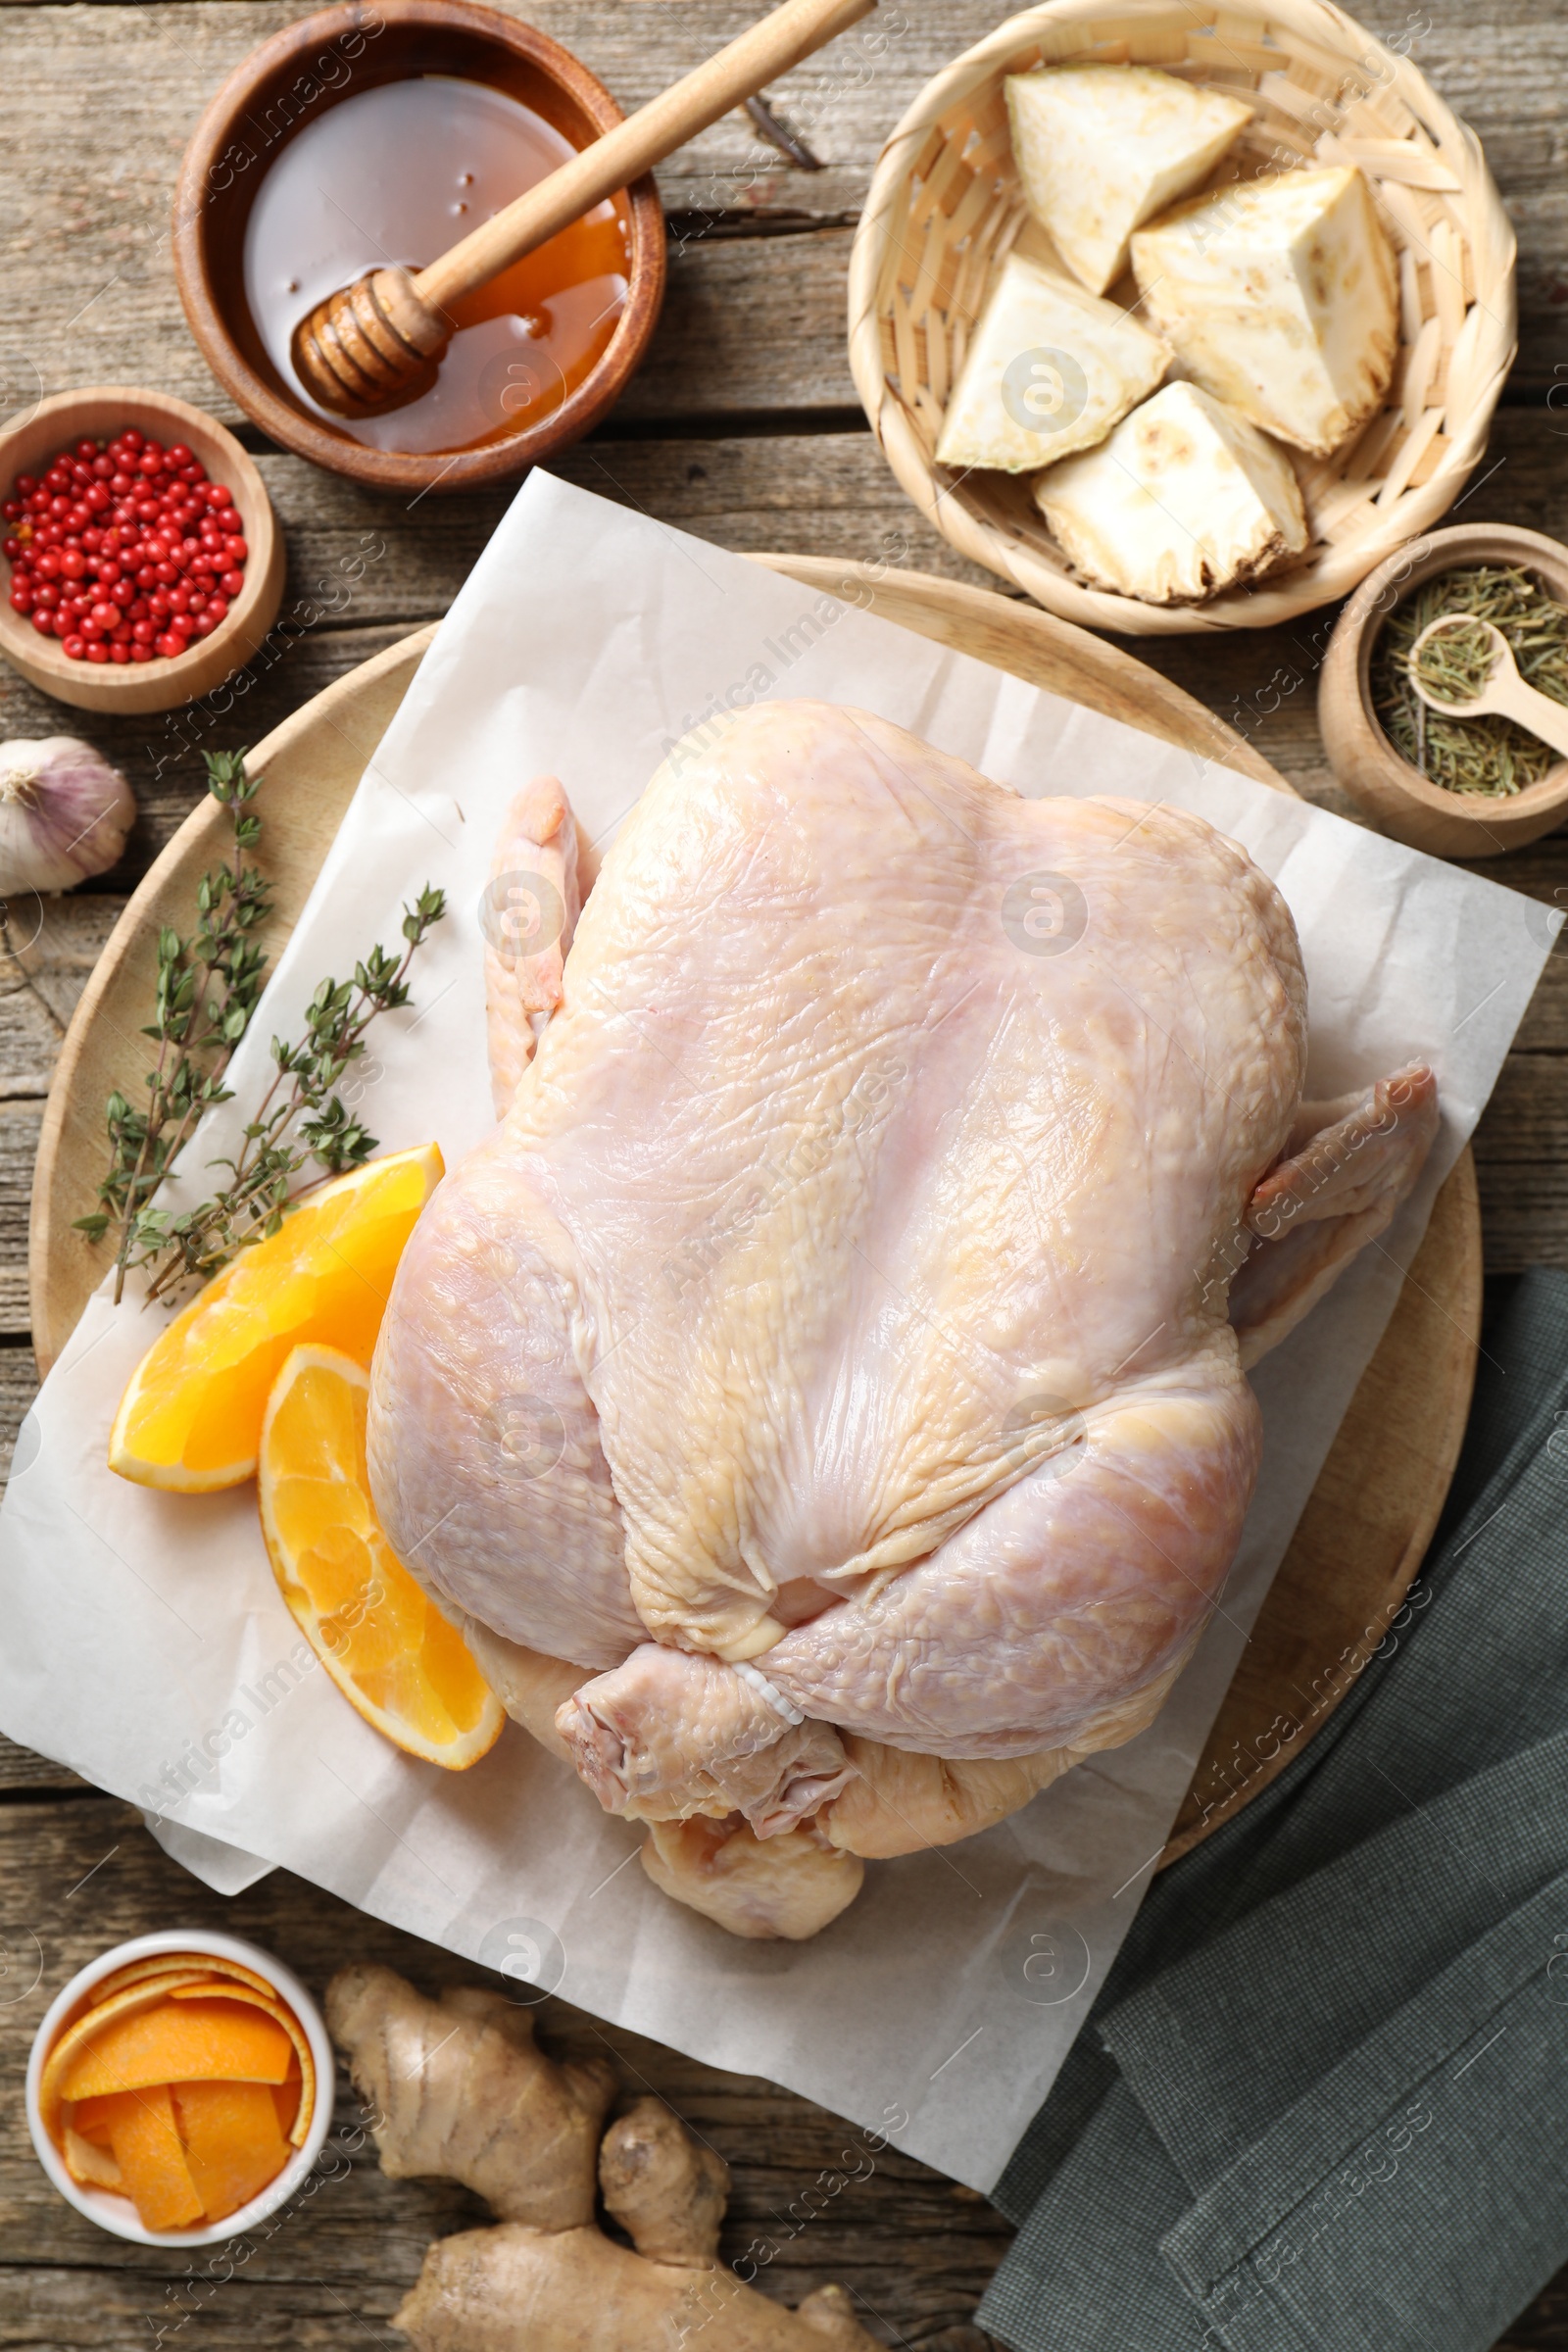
79,2032
161,1964
283,2016
151,2156
233,2142
93,2165
204,2038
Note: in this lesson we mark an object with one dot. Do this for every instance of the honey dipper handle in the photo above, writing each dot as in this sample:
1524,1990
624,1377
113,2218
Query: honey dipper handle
767,49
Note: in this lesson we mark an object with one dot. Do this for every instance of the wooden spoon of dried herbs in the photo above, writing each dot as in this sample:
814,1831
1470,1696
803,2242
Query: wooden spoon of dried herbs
1489,755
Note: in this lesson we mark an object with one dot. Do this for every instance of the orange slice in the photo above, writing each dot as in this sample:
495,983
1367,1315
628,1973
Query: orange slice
388,1649
233,2145
191,1418
302,2069
212,2040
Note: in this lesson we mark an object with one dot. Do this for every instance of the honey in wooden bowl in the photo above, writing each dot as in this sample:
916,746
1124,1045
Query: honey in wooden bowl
398,173
350,140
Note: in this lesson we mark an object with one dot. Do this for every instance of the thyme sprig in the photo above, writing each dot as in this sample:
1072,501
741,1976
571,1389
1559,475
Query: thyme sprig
301,1117
208,987
206,990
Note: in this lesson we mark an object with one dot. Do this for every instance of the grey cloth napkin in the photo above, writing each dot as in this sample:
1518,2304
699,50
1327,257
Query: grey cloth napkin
1321,2104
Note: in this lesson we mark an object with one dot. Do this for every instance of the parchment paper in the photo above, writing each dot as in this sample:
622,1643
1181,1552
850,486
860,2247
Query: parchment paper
146,1644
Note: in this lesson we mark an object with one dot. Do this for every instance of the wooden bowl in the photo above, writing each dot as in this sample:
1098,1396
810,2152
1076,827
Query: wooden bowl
159,685
1399,800
945,208
291,81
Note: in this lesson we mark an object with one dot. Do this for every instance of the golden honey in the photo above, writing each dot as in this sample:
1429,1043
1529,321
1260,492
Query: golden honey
398,173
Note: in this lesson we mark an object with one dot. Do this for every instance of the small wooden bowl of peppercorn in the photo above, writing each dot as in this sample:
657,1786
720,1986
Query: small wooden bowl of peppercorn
1360,698
140,531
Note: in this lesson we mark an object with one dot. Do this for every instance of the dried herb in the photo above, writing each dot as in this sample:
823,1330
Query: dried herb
1491,756
208,988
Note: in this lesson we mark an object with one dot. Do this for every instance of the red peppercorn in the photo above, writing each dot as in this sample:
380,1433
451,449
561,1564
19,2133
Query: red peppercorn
124,551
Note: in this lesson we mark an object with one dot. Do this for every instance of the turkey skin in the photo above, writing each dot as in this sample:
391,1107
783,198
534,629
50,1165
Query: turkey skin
823,1396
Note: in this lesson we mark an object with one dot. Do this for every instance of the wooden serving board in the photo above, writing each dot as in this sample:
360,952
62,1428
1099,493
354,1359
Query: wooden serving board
1364,1531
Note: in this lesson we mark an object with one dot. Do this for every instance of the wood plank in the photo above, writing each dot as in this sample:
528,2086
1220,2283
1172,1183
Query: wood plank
21,1772
914,2248
92,297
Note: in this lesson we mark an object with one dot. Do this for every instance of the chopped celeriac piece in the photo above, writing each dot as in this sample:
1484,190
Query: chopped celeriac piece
1049,369
1185,498
1100,149
1281,297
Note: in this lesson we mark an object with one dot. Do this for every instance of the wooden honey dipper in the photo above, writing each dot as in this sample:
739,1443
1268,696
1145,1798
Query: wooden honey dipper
374,343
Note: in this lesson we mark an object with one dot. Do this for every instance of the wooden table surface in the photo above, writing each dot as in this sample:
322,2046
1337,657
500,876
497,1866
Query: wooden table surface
742,427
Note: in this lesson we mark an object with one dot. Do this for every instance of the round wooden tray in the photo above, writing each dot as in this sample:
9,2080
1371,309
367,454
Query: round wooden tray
1363,1533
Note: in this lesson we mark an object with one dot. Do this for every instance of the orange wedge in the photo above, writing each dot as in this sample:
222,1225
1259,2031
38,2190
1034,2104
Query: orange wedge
388,1649
191,1418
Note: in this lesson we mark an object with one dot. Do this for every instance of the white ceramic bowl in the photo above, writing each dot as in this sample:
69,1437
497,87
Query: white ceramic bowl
116,2214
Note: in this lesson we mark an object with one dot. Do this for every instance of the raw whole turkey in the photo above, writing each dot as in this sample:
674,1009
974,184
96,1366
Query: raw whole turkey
823,1396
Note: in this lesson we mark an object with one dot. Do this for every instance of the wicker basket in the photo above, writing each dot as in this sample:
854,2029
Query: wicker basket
945,206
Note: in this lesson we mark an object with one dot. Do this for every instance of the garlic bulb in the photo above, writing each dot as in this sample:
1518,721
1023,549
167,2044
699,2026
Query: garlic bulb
63,813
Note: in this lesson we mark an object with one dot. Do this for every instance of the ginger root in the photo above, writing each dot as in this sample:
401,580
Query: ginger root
461,2091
